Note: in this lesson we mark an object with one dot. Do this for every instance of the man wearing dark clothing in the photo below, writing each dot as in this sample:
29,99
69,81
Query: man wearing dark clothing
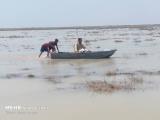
47,47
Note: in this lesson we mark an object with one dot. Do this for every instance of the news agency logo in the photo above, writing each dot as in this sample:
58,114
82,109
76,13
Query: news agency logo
24,108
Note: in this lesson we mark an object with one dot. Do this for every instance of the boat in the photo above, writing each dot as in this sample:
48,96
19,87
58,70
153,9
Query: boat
83,55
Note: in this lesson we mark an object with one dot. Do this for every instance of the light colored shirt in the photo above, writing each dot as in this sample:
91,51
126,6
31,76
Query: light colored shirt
78,47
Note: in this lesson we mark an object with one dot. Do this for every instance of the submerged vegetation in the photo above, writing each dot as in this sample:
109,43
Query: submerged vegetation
140,72
128,84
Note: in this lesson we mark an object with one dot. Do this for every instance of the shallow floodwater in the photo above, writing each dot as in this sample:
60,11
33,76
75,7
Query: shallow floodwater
126,86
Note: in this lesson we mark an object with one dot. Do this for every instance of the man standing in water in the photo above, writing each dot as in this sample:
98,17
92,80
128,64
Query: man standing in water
79,47
47,47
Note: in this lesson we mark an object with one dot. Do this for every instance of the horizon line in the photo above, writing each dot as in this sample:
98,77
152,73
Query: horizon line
79,27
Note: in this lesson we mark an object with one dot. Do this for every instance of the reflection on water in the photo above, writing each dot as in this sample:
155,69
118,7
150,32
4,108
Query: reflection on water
77,67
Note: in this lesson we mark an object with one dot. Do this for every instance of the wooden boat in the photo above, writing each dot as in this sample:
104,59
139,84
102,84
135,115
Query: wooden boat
84,55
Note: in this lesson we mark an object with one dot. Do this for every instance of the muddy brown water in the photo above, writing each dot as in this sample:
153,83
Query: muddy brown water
126,86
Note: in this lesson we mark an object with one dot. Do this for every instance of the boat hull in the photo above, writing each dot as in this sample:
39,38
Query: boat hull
85,55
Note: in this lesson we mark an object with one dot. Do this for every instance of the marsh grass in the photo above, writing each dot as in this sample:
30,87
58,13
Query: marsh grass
150,39
26,69
31,76
141,72
111,73
142,54
128,84
137,41
118,41
52,80
115,73
102,86
9,76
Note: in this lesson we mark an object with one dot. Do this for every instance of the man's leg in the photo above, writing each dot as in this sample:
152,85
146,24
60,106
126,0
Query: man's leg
48,54
40,54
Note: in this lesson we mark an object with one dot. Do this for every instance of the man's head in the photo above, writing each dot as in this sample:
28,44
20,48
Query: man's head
80,40
53,42
56,40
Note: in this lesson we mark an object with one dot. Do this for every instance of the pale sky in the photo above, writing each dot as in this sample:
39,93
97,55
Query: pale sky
58,13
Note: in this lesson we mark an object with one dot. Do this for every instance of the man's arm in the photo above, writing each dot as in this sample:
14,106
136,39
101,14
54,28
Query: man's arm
57,48
48,52
83,46
75,48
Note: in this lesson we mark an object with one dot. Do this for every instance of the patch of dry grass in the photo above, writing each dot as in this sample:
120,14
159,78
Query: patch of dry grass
132,82
114,73
52,79
137,41
118,41
31,76
136,79
128,84
111,73
142,72
149,39
26,69
10,76
142,54
102,86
